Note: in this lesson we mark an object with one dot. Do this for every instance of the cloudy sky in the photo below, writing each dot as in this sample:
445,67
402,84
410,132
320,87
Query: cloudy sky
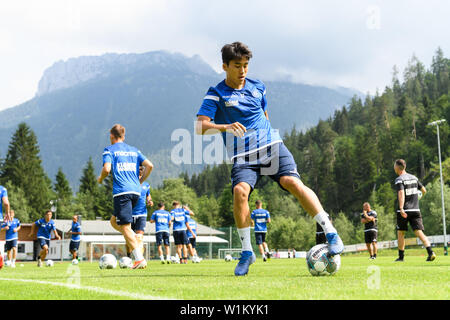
334,43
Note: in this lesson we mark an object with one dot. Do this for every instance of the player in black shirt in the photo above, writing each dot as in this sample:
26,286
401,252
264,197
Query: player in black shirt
408,187
369,219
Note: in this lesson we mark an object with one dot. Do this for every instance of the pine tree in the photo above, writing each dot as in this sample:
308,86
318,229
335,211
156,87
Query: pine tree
88,181
23,168
62,187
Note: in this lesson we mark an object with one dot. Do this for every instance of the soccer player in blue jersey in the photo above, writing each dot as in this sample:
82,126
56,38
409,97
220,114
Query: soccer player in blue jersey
4,202
45,227
192,239
237,108
124,161
140,212
75,232
162,220
12,227
260,218
180,225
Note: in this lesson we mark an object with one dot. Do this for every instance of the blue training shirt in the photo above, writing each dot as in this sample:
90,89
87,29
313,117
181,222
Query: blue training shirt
260,216
45,228
10,234
193,224
162,219
140,209
225,105
125,161
76,227
3,193
179,219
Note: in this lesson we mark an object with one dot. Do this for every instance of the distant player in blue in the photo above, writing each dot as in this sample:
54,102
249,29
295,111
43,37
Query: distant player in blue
4,202
140,212
237,108
192,237
12,227
162,220
180,225
124,161
260,219
75,232
45,227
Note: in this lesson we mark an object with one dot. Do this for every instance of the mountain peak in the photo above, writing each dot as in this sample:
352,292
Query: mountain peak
65,74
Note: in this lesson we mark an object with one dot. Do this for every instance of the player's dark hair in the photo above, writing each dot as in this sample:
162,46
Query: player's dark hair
400,163
175,203
258,202
235,51
160,204
118,131
47,211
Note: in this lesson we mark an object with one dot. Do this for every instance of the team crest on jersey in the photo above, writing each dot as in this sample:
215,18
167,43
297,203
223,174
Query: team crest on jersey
231,103
256,94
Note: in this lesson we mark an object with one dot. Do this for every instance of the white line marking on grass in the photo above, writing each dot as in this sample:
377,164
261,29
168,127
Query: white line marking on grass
132,295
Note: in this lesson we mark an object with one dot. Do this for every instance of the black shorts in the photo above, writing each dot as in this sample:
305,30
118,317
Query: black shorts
321,238
180,237
260,237
193,242
162,237
74,245
414,219
281,164
139,223
370,236
9,244
123,207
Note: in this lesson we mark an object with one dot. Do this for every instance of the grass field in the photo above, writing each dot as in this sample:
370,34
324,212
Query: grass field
278,279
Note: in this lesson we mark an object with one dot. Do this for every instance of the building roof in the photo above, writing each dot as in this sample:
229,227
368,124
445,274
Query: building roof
101,227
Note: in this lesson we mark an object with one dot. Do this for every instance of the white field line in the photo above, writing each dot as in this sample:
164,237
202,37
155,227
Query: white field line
132,295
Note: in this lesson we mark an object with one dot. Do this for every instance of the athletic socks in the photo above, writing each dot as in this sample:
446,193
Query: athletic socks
323,220
430,252
137,253
244,235
401,254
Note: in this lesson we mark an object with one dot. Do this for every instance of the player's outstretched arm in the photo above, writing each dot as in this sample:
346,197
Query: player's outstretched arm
205,126
7,208
148,167
105,172
33,230
190,230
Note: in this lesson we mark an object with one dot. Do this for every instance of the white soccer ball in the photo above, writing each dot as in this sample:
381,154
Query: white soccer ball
319,262
75,261
175,259
228,258
49,263
107,261
419,194
125,262
8,263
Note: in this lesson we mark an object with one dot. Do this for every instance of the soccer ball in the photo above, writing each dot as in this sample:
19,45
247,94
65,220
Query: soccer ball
107,261
49,263
75,261
319,263
228,258
419,194
125,262
175,259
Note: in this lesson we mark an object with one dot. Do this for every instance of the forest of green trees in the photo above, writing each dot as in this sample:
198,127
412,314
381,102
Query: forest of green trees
346,159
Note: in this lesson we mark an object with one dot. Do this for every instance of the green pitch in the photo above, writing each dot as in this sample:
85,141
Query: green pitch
284,279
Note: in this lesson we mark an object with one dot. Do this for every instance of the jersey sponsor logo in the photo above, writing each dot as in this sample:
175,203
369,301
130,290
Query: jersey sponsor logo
256,94
260,220
126,166
125,154
231,103
410,192
162,220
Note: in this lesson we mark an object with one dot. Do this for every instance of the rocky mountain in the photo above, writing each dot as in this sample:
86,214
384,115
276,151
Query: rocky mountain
151,94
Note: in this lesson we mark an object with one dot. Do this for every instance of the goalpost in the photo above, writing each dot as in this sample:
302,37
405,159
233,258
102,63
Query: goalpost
117,249
234,252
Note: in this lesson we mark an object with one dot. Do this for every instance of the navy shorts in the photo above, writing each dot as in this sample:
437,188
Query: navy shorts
193,242
280,163
162,237
260,237
180,237
9,244
123,208
43,242
74,245
139,223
